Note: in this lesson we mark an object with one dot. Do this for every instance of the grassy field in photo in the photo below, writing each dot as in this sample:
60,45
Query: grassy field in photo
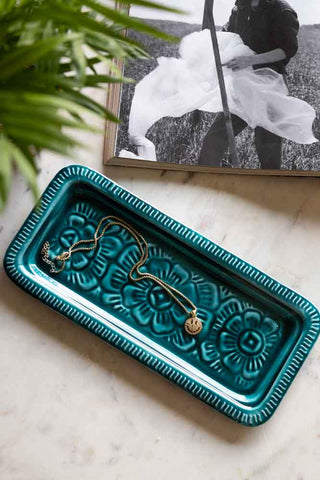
179,140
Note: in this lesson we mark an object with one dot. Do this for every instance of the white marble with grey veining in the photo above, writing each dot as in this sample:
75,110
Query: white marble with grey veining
73,408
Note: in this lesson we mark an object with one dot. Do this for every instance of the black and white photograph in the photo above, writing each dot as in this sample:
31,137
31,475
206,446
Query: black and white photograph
239,89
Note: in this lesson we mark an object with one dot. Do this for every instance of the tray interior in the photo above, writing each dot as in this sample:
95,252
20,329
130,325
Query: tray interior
247,335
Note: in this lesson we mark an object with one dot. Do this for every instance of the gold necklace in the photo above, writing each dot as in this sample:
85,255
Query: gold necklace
192,325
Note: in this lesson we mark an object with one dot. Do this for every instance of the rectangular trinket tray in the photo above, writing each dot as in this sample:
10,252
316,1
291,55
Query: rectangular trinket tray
256,332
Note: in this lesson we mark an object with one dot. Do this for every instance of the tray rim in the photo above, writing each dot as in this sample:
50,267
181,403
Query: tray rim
251,417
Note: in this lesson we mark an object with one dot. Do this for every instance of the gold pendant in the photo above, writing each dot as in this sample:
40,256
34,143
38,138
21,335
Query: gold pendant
193,325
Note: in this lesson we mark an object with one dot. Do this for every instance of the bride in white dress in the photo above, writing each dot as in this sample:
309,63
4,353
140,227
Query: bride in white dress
181,85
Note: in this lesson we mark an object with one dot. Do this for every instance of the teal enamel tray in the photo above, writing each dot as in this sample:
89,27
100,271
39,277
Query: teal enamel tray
256,332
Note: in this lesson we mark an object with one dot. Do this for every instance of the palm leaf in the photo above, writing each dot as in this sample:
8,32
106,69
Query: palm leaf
58,143
42,119
5,170
92,80
153,5
79,58
25,168
123,19
77,21
46,101
89,104
23,57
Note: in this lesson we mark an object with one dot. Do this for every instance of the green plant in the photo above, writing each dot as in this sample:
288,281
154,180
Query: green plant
49,51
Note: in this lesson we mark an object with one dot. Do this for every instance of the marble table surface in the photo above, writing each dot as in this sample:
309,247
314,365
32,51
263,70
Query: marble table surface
73,408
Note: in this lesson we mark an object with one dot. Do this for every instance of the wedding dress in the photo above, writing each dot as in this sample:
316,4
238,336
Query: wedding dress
181,85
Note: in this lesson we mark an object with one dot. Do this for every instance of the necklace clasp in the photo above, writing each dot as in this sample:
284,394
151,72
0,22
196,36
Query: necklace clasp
63,257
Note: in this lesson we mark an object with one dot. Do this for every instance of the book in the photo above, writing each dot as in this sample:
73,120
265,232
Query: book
175,115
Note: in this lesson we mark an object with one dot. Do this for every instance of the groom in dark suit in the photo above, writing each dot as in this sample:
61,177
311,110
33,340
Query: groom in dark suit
270,28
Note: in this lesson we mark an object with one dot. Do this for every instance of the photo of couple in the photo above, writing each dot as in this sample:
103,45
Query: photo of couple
269,62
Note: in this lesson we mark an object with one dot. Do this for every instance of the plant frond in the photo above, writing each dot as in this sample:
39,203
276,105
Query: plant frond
49,50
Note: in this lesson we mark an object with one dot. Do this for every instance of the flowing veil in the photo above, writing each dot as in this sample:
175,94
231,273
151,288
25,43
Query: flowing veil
181,85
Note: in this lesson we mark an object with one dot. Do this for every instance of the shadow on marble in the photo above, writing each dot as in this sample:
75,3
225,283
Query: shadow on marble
62,330
286,195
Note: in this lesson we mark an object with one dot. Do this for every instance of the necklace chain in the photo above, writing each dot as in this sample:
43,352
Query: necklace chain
193,325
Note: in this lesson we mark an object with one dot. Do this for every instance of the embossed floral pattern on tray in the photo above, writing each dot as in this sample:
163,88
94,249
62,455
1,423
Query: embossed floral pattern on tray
236,338
147,304
241,341
85,269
